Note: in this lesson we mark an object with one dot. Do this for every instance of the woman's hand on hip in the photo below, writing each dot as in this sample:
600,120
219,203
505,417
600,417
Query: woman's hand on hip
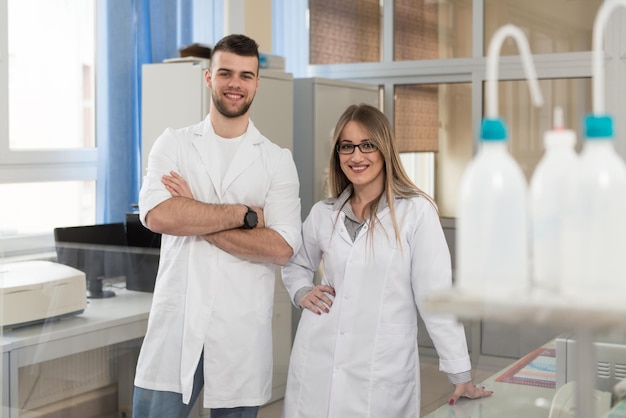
318,300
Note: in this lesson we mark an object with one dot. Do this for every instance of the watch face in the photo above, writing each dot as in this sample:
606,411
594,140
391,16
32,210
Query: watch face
251,219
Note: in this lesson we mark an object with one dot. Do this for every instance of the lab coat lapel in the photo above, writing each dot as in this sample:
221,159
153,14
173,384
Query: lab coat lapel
247,152
343,232
340,226
205,143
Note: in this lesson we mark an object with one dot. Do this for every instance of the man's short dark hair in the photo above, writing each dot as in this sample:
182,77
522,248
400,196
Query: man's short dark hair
239,45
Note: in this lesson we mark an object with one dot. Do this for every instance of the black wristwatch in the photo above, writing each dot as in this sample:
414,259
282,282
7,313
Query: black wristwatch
250,219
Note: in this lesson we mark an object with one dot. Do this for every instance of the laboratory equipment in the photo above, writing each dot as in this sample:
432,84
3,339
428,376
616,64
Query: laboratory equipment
552,206
101,251
492,219
38,291
599,272
144,250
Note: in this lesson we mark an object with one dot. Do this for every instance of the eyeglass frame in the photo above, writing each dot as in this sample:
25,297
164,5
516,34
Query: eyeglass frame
354,146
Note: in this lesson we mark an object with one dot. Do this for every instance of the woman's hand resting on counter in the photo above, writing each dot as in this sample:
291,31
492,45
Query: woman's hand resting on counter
468,390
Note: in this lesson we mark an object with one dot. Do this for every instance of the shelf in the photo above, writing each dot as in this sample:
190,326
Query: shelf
536,308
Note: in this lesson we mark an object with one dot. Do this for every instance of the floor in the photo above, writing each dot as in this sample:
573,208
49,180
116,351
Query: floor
436,390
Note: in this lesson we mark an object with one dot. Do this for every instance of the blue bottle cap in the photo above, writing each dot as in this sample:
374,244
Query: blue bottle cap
493,130
598,127
263,62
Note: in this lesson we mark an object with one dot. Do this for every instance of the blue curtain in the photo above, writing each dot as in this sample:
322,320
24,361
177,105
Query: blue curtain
130,34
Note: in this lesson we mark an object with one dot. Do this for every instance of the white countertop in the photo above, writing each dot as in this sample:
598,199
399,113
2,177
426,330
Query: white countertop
586,315
127,307
509,400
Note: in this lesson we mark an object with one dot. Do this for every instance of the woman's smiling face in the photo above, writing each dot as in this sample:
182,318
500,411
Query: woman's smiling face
364,170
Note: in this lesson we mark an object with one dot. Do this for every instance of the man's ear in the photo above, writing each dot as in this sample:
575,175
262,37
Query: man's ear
207,77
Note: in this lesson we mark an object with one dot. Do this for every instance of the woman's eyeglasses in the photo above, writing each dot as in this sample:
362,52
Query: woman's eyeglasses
348,148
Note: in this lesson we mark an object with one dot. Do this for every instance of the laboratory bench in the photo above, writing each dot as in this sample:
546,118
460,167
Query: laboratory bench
105,340
510,400
524,390
118,322
586,317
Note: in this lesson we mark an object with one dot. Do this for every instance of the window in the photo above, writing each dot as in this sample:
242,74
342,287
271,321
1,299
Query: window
51,77
552,26
432,77
47,121
344,31
433,124
426,29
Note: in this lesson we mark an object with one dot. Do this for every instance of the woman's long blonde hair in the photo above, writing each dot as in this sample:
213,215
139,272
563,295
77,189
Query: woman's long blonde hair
396,181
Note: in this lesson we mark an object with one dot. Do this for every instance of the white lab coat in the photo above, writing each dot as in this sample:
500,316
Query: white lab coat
205,298
361,359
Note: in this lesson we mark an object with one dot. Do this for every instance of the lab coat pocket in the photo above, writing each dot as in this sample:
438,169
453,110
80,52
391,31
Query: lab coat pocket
314,332
394,401
308,322
395,354
306,345
394,383
173,273
161,301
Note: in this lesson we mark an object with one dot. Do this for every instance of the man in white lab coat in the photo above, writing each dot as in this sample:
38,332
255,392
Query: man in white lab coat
211,316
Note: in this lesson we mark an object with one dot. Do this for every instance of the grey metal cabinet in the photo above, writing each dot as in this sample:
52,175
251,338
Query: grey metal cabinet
318,103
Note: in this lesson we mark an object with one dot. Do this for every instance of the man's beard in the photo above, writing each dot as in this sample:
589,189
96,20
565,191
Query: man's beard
218,101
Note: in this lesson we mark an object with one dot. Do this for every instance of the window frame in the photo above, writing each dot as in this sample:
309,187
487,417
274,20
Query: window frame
33,166
389,73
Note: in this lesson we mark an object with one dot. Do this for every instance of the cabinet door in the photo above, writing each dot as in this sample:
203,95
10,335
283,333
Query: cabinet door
173,95
4,378
331,100
318,103
272,108
514,340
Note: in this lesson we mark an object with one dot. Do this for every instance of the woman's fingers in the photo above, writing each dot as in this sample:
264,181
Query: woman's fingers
318,300
469,390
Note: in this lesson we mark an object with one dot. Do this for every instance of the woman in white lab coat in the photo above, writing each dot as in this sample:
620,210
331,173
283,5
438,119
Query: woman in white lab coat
382,251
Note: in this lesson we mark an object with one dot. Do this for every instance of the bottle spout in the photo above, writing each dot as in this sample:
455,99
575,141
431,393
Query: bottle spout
598,53
557,119
492,67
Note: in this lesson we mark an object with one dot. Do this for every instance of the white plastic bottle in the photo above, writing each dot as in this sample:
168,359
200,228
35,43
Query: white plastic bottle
492,215
598,275
553,190
492,220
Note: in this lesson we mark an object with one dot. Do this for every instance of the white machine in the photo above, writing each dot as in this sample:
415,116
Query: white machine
36,291
564,402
